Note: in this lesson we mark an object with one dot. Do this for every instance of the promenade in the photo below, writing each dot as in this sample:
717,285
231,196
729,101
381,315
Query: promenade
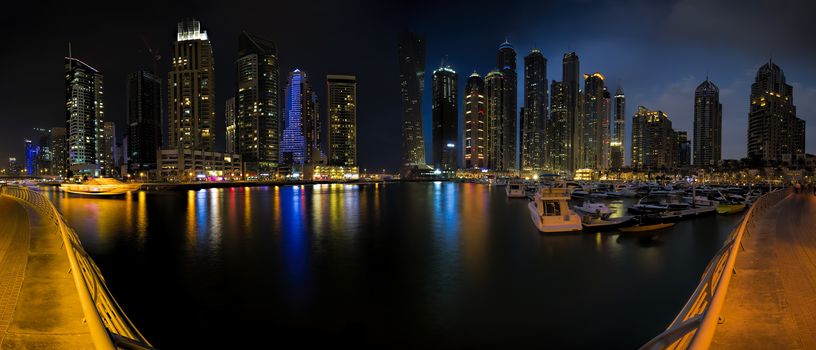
771,301
39,303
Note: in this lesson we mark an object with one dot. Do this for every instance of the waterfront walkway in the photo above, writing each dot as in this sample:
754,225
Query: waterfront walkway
771,301
39,304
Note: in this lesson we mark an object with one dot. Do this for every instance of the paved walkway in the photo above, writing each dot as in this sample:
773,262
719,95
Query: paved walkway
39,305
771,301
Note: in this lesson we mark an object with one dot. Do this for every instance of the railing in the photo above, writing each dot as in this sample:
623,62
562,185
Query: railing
694,326
108,325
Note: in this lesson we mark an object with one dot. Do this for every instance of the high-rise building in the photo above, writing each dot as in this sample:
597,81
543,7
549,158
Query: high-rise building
191,90
682,158
411,51
342,107
506,64
654,142
534,124
32,151
301,134
707,125
232,126
107,149
144,121
775,134
59,152
595,123
571,76
445,101
618,144
257,104
13,170
44,155
84,113
495,84
475,123
558,131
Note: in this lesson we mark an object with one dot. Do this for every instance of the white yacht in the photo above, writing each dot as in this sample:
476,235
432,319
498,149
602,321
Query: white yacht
551,213
590,207
515,189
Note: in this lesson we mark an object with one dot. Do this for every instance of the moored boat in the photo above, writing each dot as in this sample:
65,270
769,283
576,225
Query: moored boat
551,213
726,209
515,189
645,227
100,187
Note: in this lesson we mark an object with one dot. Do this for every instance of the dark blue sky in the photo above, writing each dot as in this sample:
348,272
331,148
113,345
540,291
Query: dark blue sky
658,51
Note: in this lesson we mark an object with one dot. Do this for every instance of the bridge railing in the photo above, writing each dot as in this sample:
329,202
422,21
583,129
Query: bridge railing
694,326
109,326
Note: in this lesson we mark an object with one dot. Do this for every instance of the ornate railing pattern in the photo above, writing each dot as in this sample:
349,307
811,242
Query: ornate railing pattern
694,326
109,326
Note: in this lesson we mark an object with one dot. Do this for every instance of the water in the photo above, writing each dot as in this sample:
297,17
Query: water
411,265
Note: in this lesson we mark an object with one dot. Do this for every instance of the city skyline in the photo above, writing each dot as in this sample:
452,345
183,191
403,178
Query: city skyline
380,115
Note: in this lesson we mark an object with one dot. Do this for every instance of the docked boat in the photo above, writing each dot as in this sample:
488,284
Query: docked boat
515,189
645,227
100,187
592,222
590,207
551,213
658,203
727,209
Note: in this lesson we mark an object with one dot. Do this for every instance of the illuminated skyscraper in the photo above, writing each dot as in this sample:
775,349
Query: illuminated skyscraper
32,151
775,134
301,134
618,143
495,84
534,122
682,158
574,141
107,149
342,107
191,90
257,104
595,123
411,53
654,142
232,126
475,123
506,64
707,125
58,143
84,114
445,101
144,118
558,131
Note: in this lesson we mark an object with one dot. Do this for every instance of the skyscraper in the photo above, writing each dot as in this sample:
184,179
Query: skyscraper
682,158
445,100
257,105
107,149
32,151
574,141
775,134
495,84
654,142
301,133
595,123
44,155
59,152
144,118
475,123
618,143
558,130
707,125
84,113
342,107
191,90
533,132
506,64
232,126
411,51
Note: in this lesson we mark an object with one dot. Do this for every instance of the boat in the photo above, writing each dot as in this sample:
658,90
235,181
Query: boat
726,209
100,187
657,203
645,227
592,222
515,189
551,213
590,207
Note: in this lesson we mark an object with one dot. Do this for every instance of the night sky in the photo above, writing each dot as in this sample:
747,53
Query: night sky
658,52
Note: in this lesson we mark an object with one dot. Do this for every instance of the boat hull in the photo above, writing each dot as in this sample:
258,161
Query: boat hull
727,209
571,224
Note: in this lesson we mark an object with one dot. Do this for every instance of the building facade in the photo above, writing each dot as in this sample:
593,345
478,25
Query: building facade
191,90
59,152
107,150
571,76
342,109
257,107
506,64
301,134
654,142
618,143
84,115
475,123
445,101
775,134
533,152
707,125
558,130
495,85
595,123
682,159
144,121
411,51
197,165
231,126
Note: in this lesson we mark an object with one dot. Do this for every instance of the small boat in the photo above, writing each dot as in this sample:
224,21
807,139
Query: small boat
590,207
100,187
726,209
592,222
645,227
551,213
515,189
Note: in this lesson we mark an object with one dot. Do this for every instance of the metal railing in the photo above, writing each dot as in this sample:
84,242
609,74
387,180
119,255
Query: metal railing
694,326
109,326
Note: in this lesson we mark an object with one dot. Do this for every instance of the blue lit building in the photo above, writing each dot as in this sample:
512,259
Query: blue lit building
293,144
32,151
